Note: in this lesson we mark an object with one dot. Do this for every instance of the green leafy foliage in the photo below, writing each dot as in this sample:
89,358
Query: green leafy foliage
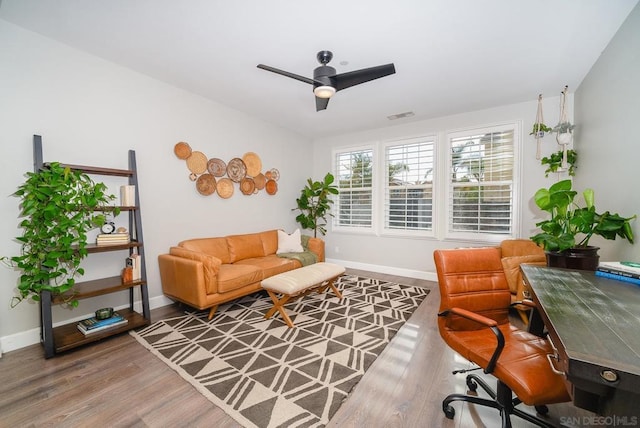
554,162
537,127
314,204
58,206
571,225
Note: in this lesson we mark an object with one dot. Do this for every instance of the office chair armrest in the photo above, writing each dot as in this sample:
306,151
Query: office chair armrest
488,322
524,302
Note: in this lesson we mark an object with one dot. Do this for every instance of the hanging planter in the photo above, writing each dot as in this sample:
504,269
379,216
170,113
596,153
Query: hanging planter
539,128
564,128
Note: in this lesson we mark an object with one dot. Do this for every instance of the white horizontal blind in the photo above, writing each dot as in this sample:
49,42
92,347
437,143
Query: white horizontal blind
481,182
408,202
354,170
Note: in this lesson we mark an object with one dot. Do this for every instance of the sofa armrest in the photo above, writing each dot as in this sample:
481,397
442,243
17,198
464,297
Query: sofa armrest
316,245
189,275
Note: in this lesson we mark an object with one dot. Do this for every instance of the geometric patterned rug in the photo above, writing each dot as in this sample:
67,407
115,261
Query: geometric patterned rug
264,374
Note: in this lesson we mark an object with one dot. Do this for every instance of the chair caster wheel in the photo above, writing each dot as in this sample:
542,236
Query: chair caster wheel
449,411
473,386
543,410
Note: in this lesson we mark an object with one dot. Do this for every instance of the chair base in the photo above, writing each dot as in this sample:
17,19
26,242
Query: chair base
502,399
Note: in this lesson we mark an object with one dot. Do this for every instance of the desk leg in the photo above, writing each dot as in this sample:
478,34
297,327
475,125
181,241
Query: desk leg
536,325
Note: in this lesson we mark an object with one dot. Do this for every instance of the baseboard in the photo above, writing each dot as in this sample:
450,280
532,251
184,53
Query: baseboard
410,273
32,337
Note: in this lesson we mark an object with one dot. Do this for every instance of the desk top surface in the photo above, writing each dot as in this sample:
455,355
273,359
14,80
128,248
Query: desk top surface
596,319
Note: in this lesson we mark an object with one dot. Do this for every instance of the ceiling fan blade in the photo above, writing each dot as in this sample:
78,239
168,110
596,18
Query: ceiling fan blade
321,103
352,78
286,73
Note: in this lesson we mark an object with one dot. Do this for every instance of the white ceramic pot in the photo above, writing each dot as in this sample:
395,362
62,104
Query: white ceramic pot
564,138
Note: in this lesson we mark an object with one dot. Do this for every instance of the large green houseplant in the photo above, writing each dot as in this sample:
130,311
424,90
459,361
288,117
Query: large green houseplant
58,206
571,226
314,204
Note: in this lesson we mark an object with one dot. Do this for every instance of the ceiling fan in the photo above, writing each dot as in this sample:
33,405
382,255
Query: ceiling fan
326,82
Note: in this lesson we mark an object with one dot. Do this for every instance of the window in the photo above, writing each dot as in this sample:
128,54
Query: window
480,184
354,171
408,190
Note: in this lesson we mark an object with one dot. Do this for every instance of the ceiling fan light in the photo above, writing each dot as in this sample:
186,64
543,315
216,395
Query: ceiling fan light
324,91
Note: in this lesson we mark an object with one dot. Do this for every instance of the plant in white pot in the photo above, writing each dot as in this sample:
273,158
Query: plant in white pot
566,235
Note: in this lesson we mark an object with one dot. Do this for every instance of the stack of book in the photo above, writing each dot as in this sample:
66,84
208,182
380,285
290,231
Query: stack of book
94,325
622,271
112,238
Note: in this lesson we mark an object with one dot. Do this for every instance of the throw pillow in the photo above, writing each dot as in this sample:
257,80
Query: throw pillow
289,243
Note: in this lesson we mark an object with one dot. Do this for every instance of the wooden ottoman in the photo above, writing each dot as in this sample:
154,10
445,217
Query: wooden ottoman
298,283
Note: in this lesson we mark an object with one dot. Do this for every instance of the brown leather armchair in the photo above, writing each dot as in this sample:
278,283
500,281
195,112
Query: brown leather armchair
474,321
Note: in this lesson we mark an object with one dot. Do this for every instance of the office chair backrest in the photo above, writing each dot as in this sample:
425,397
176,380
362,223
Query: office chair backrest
472,279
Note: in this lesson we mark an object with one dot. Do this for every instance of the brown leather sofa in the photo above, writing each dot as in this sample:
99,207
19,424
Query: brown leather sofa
206,272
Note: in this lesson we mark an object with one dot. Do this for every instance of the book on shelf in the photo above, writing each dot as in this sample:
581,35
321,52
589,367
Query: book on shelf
617,277
113,238
128,195
135,262
91,325
629,269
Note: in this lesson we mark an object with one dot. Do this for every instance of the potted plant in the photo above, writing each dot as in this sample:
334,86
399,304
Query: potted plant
314,204
566,235
554,162
539,129
59,206
563,131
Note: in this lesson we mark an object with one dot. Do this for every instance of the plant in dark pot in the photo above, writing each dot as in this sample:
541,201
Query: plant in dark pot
58,206
565,236
314,204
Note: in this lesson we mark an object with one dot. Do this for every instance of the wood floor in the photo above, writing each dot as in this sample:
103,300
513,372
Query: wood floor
118,383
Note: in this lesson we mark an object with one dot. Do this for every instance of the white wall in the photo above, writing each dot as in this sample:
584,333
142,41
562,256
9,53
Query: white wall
414,256
607,112
92,112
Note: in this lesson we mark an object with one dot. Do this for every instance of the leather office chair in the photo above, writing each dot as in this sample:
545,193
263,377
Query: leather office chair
474,321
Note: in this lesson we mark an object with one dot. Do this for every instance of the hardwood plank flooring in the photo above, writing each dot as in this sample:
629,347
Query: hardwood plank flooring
118,383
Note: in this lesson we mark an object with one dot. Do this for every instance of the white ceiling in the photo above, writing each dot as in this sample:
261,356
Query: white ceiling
451,56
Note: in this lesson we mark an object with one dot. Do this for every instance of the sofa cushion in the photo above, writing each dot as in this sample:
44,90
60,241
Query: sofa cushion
244,246
289,243
271,265
269,241
235,276
216,247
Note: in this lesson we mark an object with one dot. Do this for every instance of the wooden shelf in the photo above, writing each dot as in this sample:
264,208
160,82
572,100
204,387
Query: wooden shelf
99,170
96,287
68,336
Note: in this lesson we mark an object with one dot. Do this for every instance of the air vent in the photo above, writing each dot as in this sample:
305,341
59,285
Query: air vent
401,115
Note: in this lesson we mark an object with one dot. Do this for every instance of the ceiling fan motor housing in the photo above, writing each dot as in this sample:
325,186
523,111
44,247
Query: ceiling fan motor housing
322,74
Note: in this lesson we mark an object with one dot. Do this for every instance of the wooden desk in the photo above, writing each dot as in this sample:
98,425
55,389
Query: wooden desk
594,323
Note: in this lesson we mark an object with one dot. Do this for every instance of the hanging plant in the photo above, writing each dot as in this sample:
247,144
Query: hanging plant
59,206
539,127
554,162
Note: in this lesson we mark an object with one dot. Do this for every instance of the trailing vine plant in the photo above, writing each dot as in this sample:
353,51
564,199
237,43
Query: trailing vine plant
554,162
58,206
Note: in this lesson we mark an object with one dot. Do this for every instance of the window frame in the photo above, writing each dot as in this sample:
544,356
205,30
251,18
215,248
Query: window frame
486,237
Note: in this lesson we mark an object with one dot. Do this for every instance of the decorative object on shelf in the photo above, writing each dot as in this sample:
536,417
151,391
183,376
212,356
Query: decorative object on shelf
108,227
53,243
128,195
539,128
182,150
206,184
564,128
217,167
253,163
314,204
214,175
554,162
569,222
104,313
